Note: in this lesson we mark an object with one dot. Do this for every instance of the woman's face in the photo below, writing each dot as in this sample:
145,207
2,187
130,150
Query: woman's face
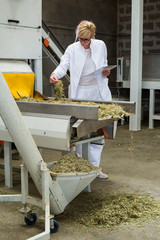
85,42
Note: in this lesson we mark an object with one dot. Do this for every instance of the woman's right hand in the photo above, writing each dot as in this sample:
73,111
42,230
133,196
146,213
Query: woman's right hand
53,78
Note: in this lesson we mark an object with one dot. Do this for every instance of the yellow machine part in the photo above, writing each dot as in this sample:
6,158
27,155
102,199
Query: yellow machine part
39,96
20,84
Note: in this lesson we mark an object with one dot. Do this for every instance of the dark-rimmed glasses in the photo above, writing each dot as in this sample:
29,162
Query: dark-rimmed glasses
86,40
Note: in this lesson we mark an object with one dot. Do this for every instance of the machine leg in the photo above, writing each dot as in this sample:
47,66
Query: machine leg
114,128
86,155
151,108
45,198
86,149
8,164
24,183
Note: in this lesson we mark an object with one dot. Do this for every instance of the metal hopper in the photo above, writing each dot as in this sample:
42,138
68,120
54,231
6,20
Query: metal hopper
71,185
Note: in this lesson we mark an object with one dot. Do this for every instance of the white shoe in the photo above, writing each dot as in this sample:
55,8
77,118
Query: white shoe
102,175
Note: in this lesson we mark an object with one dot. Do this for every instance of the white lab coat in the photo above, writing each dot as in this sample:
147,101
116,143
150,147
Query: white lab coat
74,59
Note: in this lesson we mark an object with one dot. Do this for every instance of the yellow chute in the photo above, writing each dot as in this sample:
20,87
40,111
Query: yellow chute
20,84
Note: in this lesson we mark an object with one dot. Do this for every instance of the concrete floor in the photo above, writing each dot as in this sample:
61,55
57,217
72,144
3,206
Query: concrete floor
132,161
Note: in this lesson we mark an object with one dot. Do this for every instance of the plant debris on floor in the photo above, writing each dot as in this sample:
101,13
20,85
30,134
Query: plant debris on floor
113,209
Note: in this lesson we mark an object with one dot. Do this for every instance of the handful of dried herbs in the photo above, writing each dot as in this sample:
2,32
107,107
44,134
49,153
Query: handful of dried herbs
59,89
69,163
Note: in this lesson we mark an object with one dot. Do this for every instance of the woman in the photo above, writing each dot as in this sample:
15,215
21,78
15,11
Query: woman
83,58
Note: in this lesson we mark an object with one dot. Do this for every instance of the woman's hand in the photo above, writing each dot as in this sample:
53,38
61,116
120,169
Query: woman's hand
53,78
106,72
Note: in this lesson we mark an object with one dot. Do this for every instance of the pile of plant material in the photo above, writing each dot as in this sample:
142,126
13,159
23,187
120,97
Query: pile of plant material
70,163
105,111
113,209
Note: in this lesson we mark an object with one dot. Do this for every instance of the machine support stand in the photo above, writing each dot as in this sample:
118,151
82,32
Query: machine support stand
86,155
45,198
51,226
45,203
8,164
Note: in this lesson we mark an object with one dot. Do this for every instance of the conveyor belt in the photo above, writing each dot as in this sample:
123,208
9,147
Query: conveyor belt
77,111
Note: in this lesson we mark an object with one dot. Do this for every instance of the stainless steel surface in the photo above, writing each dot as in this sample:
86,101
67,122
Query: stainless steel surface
84,127
77,111
84,117
47,132
88,138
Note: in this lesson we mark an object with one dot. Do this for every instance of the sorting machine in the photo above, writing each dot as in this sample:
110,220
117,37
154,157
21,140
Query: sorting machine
54,126
33,126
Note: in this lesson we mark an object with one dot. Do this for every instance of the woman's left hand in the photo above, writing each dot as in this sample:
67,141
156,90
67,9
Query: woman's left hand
106,72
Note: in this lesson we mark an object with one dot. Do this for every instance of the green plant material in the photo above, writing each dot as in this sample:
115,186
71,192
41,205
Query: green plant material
113,209
27,99
59,89
69,163
105,111
111,110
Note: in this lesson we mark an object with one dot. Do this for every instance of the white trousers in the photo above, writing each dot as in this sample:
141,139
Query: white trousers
95,153
90,93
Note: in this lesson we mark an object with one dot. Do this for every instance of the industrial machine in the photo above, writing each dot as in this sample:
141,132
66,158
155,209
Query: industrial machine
67,126
21,37
39,125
